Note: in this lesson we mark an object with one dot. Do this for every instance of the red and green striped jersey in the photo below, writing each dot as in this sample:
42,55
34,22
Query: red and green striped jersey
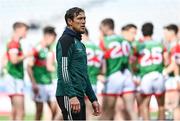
94,58
15,70
116,52
40,72
150,56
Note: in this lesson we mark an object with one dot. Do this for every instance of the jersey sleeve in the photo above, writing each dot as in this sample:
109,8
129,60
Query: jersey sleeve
13,47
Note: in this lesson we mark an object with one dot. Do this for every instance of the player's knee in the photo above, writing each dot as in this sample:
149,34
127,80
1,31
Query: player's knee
20,113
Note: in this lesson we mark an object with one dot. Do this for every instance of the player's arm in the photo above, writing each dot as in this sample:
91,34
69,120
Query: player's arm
14,57
170,68
101,76
50,62
30,73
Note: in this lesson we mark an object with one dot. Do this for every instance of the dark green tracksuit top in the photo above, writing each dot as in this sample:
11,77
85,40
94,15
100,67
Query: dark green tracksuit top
73,79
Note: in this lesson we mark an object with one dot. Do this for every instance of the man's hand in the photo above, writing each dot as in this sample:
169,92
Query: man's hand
96,108
136,81
101,78
35,89
75,104
28,54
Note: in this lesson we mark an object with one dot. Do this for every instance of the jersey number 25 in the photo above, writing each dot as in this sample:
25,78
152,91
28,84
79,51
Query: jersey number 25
151,57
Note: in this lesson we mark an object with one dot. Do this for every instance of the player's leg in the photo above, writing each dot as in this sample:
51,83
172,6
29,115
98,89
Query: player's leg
39,99
108,107
159,90
129,95
160,101
15,90
119,114
56,114
139,102
39,110
89,109
138,95
145,107
146,90
128,99
113,88
52,103
176,113
17,102
171,101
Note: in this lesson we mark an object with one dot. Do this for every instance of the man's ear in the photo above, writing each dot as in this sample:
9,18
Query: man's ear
69,22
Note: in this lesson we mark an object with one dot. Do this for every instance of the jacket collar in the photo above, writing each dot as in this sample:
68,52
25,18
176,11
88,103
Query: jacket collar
72,33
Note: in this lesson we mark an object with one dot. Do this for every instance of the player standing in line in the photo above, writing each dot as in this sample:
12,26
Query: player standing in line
128,32
170,33
15,75
39,70
52,57
95,67
119,78
150,56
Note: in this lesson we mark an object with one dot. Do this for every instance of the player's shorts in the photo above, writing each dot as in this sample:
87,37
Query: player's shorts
94,87
137,87
46,93
100,87
14,86
119,83
152,83
171,84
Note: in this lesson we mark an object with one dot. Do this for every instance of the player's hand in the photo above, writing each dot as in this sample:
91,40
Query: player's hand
164,72
101,78
35,89
136,80
96,108
29,54
75,104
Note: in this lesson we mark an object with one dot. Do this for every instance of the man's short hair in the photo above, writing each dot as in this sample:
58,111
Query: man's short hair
172,27
72,12
108,22
147,29
128,26
19,25
49,30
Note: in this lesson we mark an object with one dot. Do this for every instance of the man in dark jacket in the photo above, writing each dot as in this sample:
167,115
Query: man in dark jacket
73,81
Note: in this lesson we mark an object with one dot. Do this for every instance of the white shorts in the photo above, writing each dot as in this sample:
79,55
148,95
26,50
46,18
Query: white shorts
100,87
14,86
152,83
94,87
46,93
119,83
171,84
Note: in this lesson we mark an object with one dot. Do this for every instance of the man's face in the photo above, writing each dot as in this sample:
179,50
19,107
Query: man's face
49,38
22,31
130,34
78,23
103,29
168,34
